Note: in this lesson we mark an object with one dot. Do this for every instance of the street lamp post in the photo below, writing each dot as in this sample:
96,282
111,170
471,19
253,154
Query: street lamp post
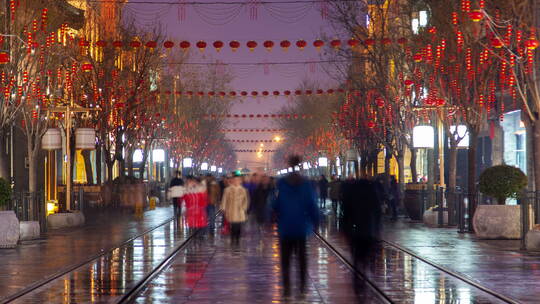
67,111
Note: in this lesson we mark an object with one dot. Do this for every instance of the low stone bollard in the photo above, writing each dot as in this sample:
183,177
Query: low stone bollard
63,220
29,230
431,218
497,221
9,229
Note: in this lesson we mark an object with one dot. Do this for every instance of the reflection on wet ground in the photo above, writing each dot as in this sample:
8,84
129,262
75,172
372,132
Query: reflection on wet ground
405,279
104,279
210,271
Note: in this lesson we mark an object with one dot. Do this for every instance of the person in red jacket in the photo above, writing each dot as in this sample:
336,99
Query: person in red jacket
196,200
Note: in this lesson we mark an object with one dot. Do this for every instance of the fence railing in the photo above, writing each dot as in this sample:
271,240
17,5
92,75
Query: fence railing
29,206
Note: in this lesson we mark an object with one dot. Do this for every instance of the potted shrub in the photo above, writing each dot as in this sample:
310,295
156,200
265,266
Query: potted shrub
9,224
500,221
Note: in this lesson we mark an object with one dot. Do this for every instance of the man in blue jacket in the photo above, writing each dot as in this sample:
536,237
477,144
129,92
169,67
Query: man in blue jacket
297,216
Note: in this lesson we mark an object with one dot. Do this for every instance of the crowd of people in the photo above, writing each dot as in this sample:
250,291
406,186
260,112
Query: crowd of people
295,204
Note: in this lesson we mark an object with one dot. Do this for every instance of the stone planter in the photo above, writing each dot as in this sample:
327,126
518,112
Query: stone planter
9,229
431,218
63,220
497,222
29,230
532,240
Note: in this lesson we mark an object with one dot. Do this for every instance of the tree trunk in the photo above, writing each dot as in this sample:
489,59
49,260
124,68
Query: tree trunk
142,168
88,166
110,163
401,176
32,167
129,162
473,145
4,156
412,164
387,158
536,154
452,167
98,165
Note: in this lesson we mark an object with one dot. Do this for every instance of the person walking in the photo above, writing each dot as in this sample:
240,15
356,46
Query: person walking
394,198
176,191
335,194
260,198
214,196
196,200
297,215
234,205
323,191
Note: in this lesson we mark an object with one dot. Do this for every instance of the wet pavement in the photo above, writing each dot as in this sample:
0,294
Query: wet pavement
33,261
496,264
405,279
209,270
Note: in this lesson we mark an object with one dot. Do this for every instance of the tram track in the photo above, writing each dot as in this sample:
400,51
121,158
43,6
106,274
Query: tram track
38,284
385,298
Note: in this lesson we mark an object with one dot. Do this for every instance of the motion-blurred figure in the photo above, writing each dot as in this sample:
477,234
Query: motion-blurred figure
176,191
335,194
361,222
323,191
260,198
196,200
214,197
297,216
234,205
394,197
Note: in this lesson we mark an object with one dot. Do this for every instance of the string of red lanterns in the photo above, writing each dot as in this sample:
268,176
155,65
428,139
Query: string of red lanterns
252,45
252,116
252,140
275,93
255,151
252,130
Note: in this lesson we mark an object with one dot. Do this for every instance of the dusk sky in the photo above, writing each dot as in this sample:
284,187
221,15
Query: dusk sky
296,21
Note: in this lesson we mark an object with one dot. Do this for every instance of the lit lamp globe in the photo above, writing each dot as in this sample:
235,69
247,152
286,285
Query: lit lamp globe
423,137
187,162
323,162
204,166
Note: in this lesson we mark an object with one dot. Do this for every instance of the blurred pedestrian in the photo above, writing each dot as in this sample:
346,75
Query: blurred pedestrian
176,191
297,216
394,197
234,205
260,198
361,222
335,194
196,200
323,191
214,197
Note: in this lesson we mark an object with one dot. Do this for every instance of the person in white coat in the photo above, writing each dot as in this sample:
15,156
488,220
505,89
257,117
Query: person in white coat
234,205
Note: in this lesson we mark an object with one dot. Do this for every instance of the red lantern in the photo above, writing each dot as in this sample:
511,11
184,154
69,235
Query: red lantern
251,45
254,93
298,92
87,67
369,42
336,43
352,43
135,44
380,102
285,44
218,45
301,44
531,43
234,45
4,57
386,41
476,15
441,102
184,45
211,93
330,91
496,43
287,93
84,43
222,94
265,93
408,82
168,44
276,93
232,93
201,45
402,41
371,125
320,92
243,93
417,57
309,92
117,44
151,44
101,43
318,44
268,44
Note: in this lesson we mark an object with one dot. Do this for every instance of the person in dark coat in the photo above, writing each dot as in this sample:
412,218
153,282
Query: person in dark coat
361,222
323,191
260,198
176,200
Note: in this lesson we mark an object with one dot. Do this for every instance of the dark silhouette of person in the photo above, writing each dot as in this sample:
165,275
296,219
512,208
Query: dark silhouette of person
323,191
361,222
297,216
